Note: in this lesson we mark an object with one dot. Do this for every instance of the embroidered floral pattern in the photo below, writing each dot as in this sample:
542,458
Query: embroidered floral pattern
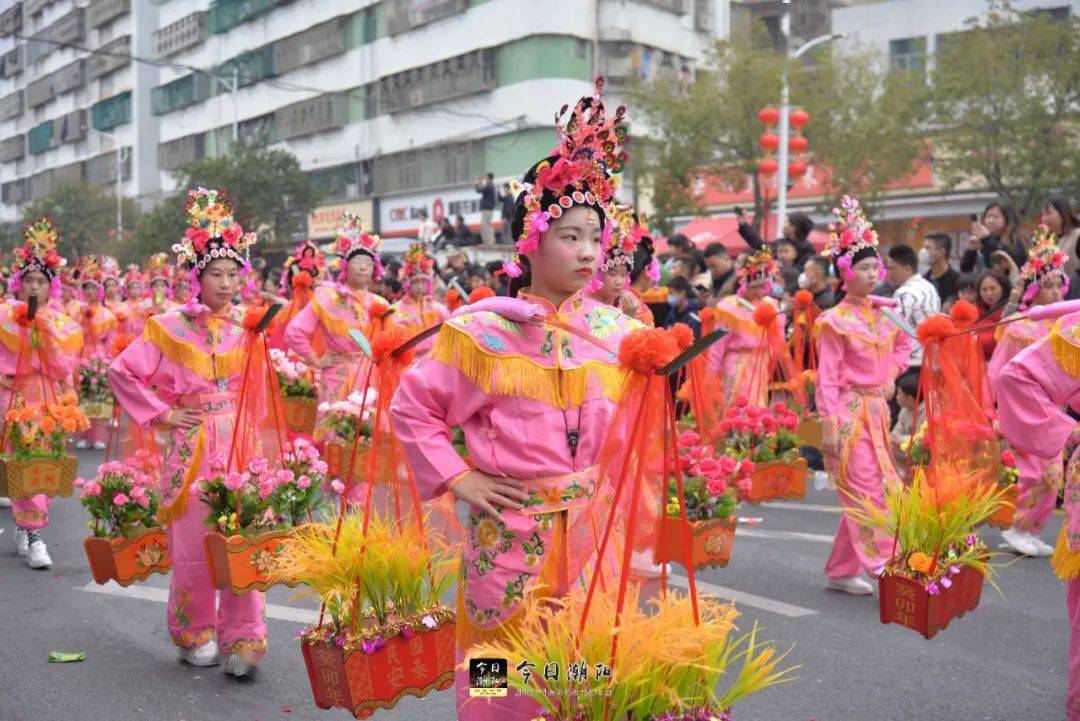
515,589
478,615
492,341
602,323
534,549
491,537
249,650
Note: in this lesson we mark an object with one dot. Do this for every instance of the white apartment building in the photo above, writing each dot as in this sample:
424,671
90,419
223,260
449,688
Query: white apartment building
65,113
391,105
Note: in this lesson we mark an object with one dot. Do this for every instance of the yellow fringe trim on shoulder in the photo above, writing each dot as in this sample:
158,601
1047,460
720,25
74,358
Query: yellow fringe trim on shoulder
1066,563
194,359
513,375
11,340
168,514
336,326
1065,353
71,343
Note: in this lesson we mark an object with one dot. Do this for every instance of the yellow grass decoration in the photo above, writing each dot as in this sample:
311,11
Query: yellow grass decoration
927,521
393,568
664,662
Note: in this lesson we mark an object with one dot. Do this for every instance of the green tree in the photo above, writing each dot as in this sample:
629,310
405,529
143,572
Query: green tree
272,197
85,214
1006,103
864,129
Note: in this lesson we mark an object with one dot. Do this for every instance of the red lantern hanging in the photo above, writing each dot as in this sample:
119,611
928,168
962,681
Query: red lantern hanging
769,141
768,166
769,116
796,169
798,144
798,118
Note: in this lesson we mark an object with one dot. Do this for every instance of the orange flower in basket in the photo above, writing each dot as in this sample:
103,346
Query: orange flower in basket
935,329
803,299
920,562
684,337
48,424
647,350
386,341
764,314
963,312
69,399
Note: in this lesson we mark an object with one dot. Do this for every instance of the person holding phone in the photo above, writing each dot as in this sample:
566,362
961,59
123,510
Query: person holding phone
998,229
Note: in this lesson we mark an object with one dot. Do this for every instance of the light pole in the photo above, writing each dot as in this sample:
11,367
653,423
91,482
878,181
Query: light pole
785,109
121,156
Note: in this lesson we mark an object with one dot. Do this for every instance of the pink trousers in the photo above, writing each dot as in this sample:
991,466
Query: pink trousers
1036,491
856,549
197,612
31,514
1072,694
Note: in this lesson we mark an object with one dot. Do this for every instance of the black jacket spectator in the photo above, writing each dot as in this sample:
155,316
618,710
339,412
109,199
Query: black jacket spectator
486,189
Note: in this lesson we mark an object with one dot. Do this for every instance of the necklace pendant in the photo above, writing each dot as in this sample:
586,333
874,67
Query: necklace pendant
572,439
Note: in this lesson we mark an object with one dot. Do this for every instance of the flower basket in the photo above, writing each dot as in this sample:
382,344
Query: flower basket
1003,517
710,542
809,432
300,414
338,453
97,410
127,560
363,682
26,477
907,603
776,479
240,563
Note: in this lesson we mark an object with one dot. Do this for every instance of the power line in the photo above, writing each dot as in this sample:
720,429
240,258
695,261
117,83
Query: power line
237,74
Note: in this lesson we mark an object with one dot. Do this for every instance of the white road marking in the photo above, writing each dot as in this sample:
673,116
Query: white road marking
742,598
783,535
161,595
788,506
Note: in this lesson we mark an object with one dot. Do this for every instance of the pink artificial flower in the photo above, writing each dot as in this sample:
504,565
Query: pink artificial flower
716,487
259,466
234,481
303,482
1007,458
319,466
688,438
945,582
78,482
231,234
91,488
338,486
285,476
267,487
746,467
742,401
708,466
120,499
932,589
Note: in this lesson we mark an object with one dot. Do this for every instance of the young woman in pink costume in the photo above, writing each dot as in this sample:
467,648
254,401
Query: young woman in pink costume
36,361
1044,281
99,327
302,270
1032,390
612,282
418,310
338,308
533,399
183,376
746,357
860,353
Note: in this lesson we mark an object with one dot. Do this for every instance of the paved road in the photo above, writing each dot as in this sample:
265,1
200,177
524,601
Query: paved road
1003,662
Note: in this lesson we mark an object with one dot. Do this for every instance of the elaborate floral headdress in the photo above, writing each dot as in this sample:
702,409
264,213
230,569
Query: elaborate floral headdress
213,233
306,258
852,238
159,267
134,274
417,265
351,238
759,264
38,251
1045,261
587,161
97,269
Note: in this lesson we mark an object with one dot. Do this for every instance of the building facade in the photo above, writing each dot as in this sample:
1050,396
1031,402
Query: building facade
390,105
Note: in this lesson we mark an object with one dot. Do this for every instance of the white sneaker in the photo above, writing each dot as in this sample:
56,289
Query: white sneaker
642,565
205,655
37,556
99,445
83,444
1020,542
236,666
853,585
5,502
22,541
1044,548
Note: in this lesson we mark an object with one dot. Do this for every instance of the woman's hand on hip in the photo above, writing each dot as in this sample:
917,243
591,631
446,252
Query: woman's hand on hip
490,493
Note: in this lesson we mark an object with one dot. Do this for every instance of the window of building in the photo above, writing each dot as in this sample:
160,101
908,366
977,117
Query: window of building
908,54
